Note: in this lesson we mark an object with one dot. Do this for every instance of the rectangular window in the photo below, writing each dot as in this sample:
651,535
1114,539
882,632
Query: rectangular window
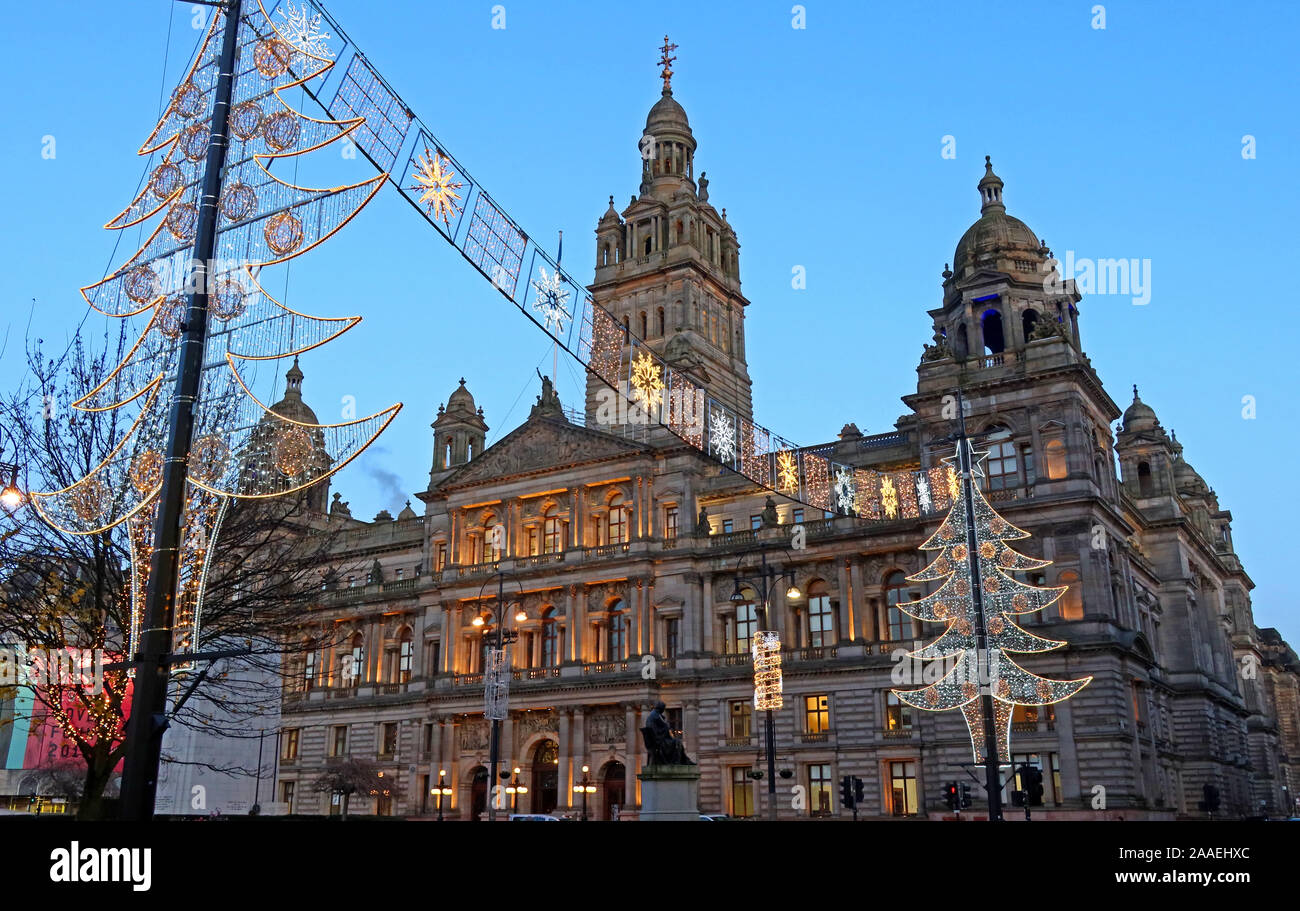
742,792
405,660
1027,459
742,717
755,523
440,561
820,789
670,522
797,516
309,670
286,794
727,526
898,714
427,744
424,793
339,744
672,633
532,542
902,788
289,744
388,738
434,657
817,714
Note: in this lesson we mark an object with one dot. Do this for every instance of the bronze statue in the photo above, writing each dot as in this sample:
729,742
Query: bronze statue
662,748
702,524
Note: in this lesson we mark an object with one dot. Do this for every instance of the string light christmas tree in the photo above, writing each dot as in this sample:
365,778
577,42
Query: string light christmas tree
240,449
982,667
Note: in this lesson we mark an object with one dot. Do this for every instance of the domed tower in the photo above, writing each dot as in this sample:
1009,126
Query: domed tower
459,432
1147,455
1002,291
269,445
668,265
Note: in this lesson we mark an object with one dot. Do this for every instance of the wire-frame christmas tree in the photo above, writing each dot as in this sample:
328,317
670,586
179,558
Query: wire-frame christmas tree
977,602
193,291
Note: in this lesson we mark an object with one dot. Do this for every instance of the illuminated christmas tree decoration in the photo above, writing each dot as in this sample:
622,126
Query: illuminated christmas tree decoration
281,131
187,100
787,472
982,668
722,434
845,490
272,56
437,181
552,300
647,382
166,180
194,142
238,199
283,233
183,221
766,650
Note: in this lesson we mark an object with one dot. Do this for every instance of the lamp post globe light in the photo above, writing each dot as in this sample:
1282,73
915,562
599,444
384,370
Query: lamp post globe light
766,649
442,791
584,788
11,495
496,675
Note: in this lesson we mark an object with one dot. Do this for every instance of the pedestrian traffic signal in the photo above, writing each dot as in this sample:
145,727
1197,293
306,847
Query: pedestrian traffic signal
965,795
846,792
951,796
859,791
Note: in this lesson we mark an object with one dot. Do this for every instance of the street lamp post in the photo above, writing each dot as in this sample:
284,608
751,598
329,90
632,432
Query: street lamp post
443,791
496,680
11,497
514,789
765,586
584,788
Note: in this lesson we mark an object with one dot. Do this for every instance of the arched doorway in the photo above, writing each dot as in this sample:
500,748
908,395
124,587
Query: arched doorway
478,793
546,776
615,782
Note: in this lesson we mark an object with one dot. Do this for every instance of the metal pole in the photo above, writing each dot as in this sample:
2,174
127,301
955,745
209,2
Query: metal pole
495,748
147,723
992,777
257,787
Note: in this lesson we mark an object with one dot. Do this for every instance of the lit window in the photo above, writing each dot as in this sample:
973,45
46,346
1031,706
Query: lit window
1054,455
820,789
405,656
551,532
902,787
898,714
817,714
1000,467
1071,602
821,619
289,744
618,520
742,715
742,792
670,522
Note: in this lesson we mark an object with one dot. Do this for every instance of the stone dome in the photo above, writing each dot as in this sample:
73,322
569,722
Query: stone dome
460,399
1139,416
667,116
996,235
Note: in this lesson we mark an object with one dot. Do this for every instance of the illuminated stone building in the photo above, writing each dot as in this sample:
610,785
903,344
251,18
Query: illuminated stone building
621,543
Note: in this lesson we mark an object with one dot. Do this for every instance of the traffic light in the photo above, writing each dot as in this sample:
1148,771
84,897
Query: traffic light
965,795
846,792
859,791
1211,795
951,797
1031,779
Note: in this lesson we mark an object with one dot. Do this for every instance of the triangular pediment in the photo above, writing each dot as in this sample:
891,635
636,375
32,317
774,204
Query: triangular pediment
539,445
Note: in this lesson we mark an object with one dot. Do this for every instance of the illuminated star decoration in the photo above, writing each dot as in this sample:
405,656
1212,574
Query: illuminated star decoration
923,493
551,298
722,435
438,185
845,494
647,382
889,497
787,471
301,28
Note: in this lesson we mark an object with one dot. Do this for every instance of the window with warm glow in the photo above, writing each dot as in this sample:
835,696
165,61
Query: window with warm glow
551,543
902,788
742,715
339,744
817,714
670,522
821,619
289,744
618,520
1054,456
1070,603
898,714
820,789
405,657
742,792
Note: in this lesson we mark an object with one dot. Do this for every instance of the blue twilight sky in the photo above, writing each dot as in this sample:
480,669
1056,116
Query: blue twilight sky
823,143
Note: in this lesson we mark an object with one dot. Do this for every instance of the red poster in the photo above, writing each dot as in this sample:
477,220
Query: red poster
47,744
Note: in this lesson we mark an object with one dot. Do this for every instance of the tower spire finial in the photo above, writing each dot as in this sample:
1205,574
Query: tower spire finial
990,188
667,62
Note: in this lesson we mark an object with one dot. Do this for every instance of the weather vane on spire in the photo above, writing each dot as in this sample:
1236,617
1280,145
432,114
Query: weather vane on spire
667,61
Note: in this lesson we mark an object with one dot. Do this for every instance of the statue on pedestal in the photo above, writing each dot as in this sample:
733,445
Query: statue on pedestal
662,747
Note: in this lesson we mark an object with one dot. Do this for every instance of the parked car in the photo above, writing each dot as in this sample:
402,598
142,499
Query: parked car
532,817
714,817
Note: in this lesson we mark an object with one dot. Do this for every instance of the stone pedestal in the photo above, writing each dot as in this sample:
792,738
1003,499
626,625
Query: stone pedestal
670,793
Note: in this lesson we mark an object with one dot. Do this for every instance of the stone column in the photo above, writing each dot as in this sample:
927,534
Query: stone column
580,751
447,646
690,621
706,613
564,783
691,721
634,629
862,603
845,623
648,618
633,746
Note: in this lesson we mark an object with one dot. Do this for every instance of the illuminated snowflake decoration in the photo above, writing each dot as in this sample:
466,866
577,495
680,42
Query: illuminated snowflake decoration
647,382
437,184
787,471
301,28
889,497
552,296
923,493
722,435
845,491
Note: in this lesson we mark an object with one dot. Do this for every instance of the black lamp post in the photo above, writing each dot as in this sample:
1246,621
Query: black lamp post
503,636
584,788
765,586
514,789
442,791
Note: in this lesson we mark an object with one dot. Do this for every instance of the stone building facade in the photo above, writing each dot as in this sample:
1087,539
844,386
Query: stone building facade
622,546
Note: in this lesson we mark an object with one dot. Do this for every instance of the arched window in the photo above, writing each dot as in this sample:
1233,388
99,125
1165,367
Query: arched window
1000,468
821,619
490,553
898,623
618,520
1027,322
1054,456
550,638
645,329
617,635
991,327
648,242
1070,604
308,666
405,656
446,456
1146,487
551,543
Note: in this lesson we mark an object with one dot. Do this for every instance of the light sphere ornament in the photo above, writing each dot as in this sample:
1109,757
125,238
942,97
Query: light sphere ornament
167,179
171,316
187,100
228,299
146,471
182,220
291,451
208,457
281,131
238,199
141,284
88,499
272,56
283,233
988,550
194,142
246,119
